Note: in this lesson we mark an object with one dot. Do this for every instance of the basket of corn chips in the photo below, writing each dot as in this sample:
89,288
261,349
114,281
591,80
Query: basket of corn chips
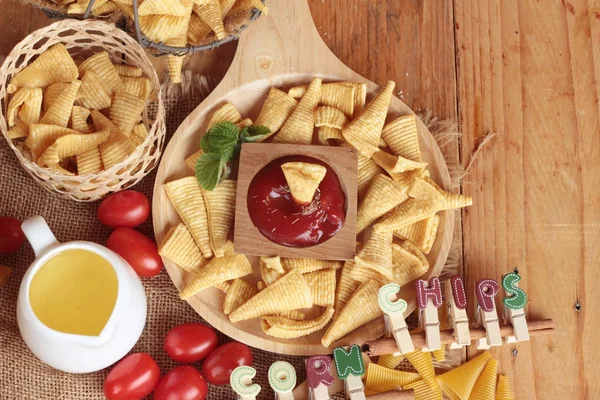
81,108
170,27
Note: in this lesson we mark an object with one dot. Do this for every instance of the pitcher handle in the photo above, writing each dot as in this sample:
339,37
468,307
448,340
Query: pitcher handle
38,234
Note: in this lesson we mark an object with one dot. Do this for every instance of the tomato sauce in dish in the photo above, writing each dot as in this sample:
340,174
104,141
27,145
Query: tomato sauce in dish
276,215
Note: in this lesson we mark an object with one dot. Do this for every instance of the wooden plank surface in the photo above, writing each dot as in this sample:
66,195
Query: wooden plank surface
530,70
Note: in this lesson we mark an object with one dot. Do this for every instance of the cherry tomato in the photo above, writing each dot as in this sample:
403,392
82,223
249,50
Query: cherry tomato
132,378
188,343
11,235
138,250
125,209
181,383
220,363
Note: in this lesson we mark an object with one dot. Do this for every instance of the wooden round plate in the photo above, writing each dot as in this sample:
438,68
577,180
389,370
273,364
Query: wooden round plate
275,53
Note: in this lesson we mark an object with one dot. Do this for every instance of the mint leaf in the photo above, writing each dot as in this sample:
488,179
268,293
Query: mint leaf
254,133
209,169
221,139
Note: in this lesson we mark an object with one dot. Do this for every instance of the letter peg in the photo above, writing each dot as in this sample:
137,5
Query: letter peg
395,324
457,312
486,290
241,383
429,299
318,374
350,367
282,379
514,304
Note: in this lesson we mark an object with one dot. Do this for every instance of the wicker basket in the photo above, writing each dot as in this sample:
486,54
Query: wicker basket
83,38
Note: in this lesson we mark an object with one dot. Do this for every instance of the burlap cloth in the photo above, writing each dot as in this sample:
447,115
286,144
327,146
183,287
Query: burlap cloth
22,375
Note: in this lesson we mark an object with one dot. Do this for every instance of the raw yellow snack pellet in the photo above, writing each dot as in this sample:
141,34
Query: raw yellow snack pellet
402,137
423,391
322,287
100,64
381,379
288,293
423,363
390,361
458,383
504,390
286,328
220,209
299,126
239,292
276,109
485,387
179,247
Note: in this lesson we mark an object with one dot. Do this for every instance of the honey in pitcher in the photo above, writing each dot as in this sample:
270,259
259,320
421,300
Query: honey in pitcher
75,292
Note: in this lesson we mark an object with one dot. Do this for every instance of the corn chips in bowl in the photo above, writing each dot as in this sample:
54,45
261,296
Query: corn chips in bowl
82,109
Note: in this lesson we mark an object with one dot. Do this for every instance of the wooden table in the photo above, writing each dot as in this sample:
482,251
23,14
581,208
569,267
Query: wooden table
530,71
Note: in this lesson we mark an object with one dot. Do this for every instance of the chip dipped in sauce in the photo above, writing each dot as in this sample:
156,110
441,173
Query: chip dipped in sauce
280,219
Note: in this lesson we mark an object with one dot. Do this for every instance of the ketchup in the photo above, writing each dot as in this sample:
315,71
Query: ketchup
276,215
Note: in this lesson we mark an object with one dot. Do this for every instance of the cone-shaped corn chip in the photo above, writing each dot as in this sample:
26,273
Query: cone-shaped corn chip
367,171
81,6
79,116
42,136
94,93
217,270
4,274
504,391
325,133
408,263
360,96
339,96
287,328
409,212
71,145
322,287
222,286
458,383
125,111
139,87
294,314
116,149
89,162
290,292
365,130
175,62
102,123
362,273
27,104
451,200
162,7
130,71
20,130
423,363
395,164
52,66
197,30
107,8
390,361
269,276
383,195
299,126
485,387
330,117
422,233
360,309
100,64
220,208
377,254
210,13
140,132
226,113
51,93
306,265
402,137
160,28
261,285
60,110
126,7
273,263
423,391
188,200
381,379
345,288
238,293
193,159
247,5
179,247
303,180
276,109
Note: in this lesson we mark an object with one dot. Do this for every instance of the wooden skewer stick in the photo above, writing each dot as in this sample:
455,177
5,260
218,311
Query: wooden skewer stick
388,345
395,395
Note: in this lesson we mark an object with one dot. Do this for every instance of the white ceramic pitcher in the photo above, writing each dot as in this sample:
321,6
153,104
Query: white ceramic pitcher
77,353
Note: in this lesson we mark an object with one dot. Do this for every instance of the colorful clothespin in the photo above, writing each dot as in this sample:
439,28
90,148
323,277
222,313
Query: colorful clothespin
395,324
457,312
318,375
282,378
241,383
514,304
429,299
350,368
486,290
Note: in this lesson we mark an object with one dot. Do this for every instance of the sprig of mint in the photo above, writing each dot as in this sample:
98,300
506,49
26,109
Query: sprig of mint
221,145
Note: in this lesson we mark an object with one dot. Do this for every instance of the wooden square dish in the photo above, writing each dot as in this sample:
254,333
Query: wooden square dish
248,239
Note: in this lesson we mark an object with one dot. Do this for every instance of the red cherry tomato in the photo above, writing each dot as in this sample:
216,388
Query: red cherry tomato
188,343
11,235
132,378
181,383
138,250
125,209
220,363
